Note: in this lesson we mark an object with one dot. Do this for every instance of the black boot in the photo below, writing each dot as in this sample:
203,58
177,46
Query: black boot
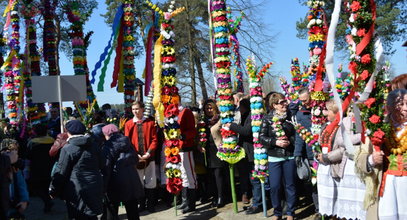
221,202
142,205
184,197
150,194
191,198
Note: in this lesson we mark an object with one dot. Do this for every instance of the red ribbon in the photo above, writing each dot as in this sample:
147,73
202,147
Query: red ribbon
368,37
318,81
148,70
359,48
118,58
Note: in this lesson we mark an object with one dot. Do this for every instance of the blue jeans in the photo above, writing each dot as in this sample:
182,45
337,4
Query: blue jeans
277,171
256,189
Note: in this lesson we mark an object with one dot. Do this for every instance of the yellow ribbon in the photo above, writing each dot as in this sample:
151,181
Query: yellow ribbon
159,108
9,7
7,62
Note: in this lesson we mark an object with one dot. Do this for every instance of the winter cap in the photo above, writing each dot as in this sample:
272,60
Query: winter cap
109,129
75,127
8,144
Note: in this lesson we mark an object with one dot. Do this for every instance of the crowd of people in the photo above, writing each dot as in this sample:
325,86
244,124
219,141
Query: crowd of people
94,168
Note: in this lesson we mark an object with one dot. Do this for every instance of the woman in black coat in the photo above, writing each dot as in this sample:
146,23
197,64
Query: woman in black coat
77,178
122,181
277,135
245,165
216,167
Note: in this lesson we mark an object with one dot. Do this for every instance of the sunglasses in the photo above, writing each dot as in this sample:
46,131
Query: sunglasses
282,102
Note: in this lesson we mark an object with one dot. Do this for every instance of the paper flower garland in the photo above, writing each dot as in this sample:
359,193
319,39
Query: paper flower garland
362,16
373,111
49,38
202,131
35,112
128,56
317,32
165,88
234,26
229,151
310,139
257,112
359,37
79,50
12,66
148,104
297,81
343,83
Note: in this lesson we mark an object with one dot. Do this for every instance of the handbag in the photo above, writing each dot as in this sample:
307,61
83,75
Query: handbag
142,164
304,170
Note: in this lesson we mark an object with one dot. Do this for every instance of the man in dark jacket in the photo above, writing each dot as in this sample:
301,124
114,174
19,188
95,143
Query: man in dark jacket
77,178
302,111
303,116
121,179
40,164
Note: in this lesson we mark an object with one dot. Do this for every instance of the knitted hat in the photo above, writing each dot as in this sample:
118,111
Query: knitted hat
109,129
8,144
75,127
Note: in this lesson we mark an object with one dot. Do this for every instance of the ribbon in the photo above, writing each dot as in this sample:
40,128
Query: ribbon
9,59
115,28
211,42
369,86
318,81
103,72
368,37
157,82
359,48
9,7
329,64
148,70
118,58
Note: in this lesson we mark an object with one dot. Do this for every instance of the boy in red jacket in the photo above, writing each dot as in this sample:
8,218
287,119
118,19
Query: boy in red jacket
143,135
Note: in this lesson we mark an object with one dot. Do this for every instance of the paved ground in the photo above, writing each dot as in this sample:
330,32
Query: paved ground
204,211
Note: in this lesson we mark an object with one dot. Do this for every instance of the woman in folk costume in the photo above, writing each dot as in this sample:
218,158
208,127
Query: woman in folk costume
340,191
385,171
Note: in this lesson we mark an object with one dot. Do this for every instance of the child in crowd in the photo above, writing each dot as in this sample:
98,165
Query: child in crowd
18,188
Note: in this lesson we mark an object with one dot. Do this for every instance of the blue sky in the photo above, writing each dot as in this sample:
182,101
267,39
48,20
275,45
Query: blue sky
279,15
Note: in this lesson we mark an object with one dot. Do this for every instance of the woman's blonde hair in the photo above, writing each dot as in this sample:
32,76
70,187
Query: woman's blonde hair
331,105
